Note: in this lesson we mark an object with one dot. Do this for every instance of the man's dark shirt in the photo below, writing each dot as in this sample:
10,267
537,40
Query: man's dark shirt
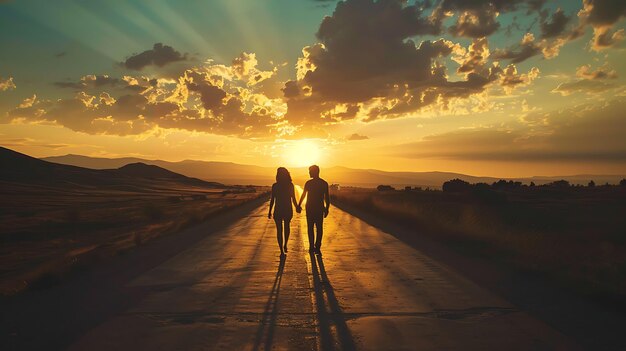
316,188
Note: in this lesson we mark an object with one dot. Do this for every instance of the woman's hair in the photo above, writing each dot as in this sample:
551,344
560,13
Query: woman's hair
282,175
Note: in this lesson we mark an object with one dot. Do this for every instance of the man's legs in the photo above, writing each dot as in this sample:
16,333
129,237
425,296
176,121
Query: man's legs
319,223
310,222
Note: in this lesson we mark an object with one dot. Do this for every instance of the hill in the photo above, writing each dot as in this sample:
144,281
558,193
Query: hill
20,168
232,173
223,172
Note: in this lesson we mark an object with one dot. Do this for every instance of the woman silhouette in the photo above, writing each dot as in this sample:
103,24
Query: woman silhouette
283,195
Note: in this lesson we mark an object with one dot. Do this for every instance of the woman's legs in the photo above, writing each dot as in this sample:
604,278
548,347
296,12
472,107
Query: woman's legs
279,233
287,231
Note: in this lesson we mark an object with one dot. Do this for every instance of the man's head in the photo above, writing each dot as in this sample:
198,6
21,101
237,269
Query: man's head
314,171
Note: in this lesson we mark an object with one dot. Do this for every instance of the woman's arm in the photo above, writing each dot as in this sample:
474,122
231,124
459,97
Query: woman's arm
293,196
302,197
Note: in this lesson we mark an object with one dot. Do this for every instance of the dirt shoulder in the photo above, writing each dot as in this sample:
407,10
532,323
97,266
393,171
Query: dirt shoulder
593,325
54,317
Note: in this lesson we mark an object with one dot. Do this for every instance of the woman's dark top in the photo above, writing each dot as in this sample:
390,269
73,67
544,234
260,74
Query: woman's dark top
283,192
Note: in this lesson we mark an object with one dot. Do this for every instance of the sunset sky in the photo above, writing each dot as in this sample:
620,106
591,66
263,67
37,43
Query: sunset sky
498,88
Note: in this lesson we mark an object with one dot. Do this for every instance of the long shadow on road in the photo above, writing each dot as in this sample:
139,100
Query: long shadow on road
329,314
268,323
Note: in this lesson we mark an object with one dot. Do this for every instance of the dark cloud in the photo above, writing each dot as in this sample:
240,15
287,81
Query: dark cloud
356,136
291,89
366,56
478,18
210,95
602,15
89,81
604,12
552,26
160,55
585,133
368,66
475,24
498,5
526,49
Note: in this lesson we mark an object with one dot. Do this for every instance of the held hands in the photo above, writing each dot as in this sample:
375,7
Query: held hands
298,209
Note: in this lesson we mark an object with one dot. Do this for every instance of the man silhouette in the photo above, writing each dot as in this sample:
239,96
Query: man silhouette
317,205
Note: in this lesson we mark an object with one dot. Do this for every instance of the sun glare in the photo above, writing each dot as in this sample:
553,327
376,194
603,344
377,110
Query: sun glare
301,153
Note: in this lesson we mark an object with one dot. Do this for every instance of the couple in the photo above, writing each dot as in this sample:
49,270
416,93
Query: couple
317,205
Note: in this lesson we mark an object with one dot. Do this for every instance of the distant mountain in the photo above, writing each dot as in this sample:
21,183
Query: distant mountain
223,172
20,168
142,170
232,173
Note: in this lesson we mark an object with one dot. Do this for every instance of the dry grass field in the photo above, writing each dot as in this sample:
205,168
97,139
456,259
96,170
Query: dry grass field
574,235
47,232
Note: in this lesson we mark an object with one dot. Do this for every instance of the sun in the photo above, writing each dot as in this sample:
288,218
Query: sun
301,153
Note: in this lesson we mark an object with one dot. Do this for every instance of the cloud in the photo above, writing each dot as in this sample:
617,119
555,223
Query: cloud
89,81
83,113
356,136
7,84
526,49
583,86
602,15
554,25
475,58
603,12
585,71
585,133
510,79
478,18
475,24
591,82
13,142
244,67
604,38
366,57
160,55
210,98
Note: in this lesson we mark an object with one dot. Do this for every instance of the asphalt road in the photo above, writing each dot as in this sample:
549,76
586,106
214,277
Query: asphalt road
369,291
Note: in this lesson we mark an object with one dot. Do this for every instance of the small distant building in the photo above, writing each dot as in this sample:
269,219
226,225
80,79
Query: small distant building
385,188
335,187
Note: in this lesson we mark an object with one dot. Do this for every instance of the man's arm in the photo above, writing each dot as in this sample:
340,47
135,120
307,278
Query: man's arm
306,190
327,200
302,197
